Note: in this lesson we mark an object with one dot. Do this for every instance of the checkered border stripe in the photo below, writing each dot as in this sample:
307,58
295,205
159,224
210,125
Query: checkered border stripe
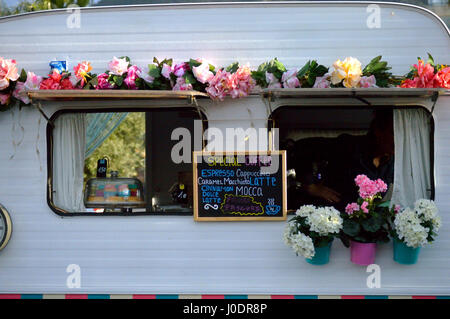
142,296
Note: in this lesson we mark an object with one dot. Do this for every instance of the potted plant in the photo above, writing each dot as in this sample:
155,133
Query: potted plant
366,221
311,232
412,229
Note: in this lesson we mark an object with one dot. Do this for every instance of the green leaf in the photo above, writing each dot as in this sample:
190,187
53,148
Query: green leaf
372,224
351,227
232,68
23,76
193,63
189,78
118,80
153,71
430,59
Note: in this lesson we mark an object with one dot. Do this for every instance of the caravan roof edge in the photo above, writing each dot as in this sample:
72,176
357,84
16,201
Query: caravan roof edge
206,4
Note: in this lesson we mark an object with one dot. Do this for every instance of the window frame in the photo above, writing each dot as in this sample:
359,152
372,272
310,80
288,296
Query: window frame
271,123
49,136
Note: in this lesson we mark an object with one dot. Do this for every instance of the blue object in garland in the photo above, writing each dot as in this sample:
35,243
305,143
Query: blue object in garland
59,66
405,255
322,255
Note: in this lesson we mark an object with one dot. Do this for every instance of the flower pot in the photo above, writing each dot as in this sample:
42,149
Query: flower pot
322,255
405,255
362,253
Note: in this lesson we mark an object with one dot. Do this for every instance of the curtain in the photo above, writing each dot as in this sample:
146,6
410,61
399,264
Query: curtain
412,178
69,146
99,126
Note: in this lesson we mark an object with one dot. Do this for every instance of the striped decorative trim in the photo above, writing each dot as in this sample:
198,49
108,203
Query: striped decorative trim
142,296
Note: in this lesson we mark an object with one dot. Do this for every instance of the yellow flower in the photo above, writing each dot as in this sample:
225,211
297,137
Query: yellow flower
349,71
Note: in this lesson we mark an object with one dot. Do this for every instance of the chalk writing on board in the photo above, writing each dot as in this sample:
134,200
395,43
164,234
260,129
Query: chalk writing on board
234,187
241,205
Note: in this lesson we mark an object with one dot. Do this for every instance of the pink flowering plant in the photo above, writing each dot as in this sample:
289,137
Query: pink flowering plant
367,219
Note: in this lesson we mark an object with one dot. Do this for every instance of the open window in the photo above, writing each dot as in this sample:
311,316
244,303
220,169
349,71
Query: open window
119,162
329,146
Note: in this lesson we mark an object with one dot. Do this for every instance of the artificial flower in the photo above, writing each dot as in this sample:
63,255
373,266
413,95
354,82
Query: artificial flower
348,72
219,85
4,98
181,85
166,71
368,82
103,83
133,74
272,81
180,69
322,82
32,83
290,80
241,82
81,71
118,66
8,72
442,78
202,73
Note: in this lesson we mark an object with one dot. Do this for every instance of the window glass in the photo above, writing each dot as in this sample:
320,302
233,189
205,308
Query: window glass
327,148
121,162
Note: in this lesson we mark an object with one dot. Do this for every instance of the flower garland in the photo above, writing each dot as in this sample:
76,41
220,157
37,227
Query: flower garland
234,81
312,227
427,75
418,226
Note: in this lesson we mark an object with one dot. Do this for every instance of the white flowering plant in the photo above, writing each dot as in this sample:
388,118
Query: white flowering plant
312,227
416,226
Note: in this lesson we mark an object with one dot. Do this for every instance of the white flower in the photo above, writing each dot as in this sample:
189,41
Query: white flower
305,210
409,229
303,245
427,208
288,232
325,221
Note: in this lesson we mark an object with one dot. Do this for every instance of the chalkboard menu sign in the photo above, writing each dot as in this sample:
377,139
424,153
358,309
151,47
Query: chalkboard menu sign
237,186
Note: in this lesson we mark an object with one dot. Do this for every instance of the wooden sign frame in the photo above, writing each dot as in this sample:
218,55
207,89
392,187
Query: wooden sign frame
195,154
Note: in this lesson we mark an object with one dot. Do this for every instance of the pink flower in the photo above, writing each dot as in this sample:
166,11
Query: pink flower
425,73
408,83
350,208
272,81
202,73
8,72
181,85
241,82
118,66
32,83
166,71
322,82
180,69
82,69
218,85
368,82
4,98
397,209
364,207
369,188
381,186
132,74
103,83
290,80
442,78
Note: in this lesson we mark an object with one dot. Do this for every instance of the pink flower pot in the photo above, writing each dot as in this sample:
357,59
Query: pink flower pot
362,253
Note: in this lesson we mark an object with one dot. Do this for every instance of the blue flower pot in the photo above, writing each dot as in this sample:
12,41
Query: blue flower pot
322,255
405,255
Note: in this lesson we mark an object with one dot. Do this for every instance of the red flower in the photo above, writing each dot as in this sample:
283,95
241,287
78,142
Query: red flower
66,84
49,84
442,78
